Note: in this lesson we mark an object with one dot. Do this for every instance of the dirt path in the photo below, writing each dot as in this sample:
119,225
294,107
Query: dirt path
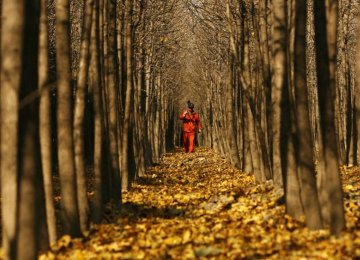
197,205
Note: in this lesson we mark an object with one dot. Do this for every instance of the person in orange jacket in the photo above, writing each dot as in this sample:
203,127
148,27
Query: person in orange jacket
191,121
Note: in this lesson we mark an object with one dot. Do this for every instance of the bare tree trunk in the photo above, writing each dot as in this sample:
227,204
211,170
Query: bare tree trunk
12,24
247,157
111,82
357,92
230,113
31,204
96,86
129,86
309,194
140,112
45,123
279,46
231,130
325,33
79,114
67,173
255,156
290,169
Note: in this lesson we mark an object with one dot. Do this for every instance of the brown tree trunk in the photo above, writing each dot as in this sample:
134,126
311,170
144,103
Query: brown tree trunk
12,24
292,184
129,86
229,93
304,158
279,46
79,114
325,36
112,102
248,161
31,204
255,156
45,123
96,86
357,93
231,128
70,212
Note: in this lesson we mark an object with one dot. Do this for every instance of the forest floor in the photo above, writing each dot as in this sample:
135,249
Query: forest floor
198,206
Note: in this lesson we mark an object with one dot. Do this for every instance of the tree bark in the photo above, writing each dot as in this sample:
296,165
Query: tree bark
12,24
357,93
129,86
279,46
45,123
79,114
325,35
70,212
111,82
305,164
96,86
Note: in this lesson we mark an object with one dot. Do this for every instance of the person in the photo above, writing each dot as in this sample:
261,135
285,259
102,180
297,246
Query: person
191,122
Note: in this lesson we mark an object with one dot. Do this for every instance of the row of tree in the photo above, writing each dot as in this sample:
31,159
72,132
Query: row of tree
280,99
87,92
90,90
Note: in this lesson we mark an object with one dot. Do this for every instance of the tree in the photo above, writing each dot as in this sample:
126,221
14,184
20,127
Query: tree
304,150
22,181
325,33
79,113
128,39
96,86
70,212
45,122
279,49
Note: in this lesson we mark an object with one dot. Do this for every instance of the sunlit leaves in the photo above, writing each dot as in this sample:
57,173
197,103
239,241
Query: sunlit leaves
197,206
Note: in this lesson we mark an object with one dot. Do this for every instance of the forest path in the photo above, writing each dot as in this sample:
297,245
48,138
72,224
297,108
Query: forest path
197,205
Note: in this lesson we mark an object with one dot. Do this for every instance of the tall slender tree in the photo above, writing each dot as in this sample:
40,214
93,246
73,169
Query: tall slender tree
45,122
279,49
12,24
304,150
79,114
70,212
125,167
325,36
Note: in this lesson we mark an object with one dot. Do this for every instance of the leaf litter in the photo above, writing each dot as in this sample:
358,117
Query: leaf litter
198,206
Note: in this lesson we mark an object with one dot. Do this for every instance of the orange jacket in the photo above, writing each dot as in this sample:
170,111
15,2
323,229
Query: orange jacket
190,121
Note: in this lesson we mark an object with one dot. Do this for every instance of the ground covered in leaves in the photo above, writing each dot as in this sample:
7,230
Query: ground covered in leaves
198,206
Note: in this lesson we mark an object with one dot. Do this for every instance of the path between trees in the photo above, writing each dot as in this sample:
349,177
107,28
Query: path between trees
197,205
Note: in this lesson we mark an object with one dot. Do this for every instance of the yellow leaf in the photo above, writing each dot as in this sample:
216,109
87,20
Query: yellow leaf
172,241
186,236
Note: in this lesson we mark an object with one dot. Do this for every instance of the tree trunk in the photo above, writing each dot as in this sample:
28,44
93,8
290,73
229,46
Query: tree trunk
30,201
96,86
66,162
231,128
278,81
304,149
325,35
229,87
129,85
112,102
12,24
357,93
79,114
45,123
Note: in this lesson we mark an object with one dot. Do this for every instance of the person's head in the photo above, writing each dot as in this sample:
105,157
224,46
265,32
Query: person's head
190,105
